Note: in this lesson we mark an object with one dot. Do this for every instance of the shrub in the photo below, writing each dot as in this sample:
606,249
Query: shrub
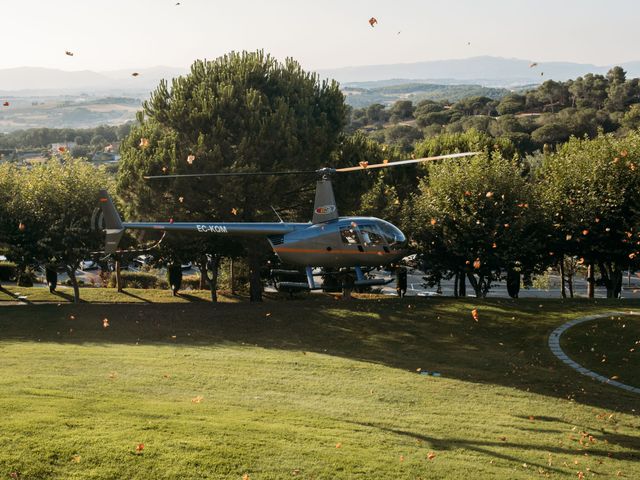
7,271
136,280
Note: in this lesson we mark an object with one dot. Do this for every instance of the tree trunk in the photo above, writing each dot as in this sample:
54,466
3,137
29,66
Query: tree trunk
232,280
563,290
570,283
617,288
476,284
462,285
212,275
590,281
202,266
71,271
118,275
255,284
513,283
455,285
51,275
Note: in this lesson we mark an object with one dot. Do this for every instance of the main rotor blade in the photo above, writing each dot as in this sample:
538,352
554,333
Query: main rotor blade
229,174
366,166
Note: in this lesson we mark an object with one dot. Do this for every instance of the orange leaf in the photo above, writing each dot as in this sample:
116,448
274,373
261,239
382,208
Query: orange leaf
433,221
338,445
373,21
139,447
191,159
105,323
431,455
474,314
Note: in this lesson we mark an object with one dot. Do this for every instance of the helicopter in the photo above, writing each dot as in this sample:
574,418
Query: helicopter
327,241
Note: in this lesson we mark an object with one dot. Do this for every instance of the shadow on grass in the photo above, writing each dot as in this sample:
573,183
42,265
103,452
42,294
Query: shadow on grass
192,298
15,296
137,297
496,448
506,347
65,296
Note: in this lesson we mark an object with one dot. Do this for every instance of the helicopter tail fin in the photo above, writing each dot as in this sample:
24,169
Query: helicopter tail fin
114,228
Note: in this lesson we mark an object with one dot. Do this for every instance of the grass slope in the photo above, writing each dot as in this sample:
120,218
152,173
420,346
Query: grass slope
315,389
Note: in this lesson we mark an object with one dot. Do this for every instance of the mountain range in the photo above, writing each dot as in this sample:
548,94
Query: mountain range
485,71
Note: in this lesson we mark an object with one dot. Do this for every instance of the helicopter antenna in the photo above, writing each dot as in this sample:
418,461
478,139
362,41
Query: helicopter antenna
274,211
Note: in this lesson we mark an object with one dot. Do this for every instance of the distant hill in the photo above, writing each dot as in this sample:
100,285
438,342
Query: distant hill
485,71
29,81
358,95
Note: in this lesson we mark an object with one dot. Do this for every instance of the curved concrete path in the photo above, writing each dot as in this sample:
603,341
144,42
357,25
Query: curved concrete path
554,345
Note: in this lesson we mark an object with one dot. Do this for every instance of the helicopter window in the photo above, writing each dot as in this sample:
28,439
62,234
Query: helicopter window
371,235
394,237
349,236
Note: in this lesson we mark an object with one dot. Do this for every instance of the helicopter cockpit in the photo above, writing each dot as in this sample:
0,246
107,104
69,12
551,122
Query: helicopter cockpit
372,232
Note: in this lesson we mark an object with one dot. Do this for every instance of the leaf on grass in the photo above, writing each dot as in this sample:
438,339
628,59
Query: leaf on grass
197,399
76,458
431,455
139,447
338,445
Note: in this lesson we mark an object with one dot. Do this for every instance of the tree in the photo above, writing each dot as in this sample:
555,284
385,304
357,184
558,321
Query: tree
511,103
401,110
241,112
476,218
591,190
404,136
53,205
551,134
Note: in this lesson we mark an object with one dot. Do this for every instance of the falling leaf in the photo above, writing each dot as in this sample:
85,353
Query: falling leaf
5,104
433,221
234,211
495,245
144,142
135,74
385,161
22,227
364,164
246,477
267,314
533,64
197,399
62,149
72,317
474,314
338,445
467,193
373,21
568,237
489,194
105,323
191,159
113,375
477,264
67,52
139,447
401,458
181,199
585,232
431,455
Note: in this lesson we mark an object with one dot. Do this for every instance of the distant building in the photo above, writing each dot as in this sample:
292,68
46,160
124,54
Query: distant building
58,148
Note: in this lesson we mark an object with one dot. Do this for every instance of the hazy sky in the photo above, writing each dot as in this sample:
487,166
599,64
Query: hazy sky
115,34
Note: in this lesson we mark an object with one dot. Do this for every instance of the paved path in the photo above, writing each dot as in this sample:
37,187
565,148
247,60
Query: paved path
554,345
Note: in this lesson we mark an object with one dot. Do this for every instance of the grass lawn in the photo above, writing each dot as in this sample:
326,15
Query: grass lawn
610,347
314,389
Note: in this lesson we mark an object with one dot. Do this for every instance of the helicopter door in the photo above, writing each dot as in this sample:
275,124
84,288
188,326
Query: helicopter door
349,236
372,238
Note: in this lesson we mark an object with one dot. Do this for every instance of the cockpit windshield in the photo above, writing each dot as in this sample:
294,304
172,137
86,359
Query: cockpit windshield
394,237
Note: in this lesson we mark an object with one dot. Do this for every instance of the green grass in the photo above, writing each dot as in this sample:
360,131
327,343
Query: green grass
610,347
283,384
107,295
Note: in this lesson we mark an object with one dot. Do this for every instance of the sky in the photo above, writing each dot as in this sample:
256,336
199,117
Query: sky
136,34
